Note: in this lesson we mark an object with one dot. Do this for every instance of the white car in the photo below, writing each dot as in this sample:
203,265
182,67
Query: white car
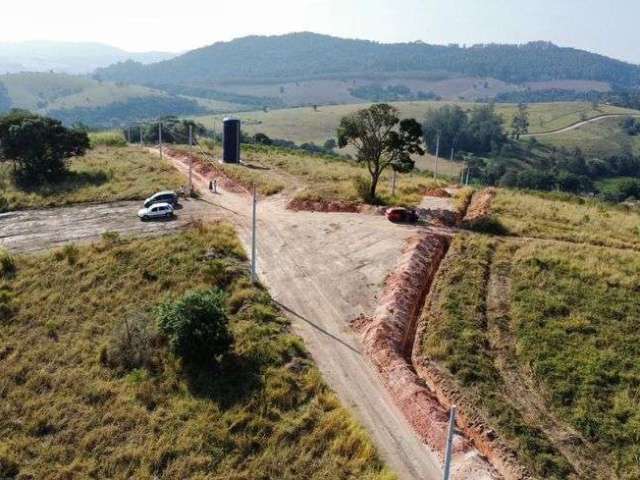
157,210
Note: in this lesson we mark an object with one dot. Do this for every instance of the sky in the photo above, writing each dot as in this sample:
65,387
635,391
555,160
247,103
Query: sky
607,27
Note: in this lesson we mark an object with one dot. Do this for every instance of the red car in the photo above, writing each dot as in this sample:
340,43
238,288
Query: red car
401,215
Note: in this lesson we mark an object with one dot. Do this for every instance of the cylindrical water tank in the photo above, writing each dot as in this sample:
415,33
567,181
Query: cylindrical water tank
231,142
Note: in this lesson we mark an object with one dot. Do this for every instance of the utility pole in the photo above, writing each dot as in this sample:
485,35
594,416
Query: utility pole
254,276
467,181
435,169
160,138
447,458
141,140
190,159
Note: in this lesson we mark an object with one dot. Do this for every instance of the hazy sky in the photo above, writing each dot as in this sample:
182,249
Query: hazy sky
609,27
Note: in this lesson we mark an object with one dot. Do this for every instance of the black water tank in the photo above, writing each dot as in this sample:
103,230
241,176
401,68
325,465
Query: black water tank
231,142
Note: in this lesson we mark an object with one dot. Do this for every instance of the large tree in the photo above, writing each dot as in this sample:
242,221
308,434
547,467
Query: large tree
38,146
381,140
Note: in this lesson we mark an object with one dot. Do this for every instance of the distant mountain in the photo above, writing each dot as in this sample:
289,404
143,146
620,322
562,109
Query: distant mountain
67,57
308,56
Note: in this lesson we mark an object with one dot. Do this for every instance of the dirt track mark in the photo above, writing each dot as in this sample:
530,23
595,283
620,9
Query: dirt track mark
32,230
581,124
525,392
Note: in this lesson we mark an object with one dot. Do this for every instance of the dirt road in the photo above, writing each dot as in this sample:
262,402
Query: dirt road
325,269
31,230
580,124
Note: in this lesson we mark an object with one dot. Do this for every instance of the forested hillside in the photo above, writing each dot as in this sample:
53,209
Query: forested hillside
307,56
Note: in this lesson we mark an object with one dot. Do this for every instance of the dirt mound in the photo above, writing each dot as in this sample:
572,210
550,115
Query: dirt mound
437,192
480,207
388,340
324,206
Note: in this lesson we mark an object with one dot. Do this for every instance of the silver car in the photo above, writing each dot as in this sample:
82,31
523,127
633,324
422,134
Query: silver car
157,210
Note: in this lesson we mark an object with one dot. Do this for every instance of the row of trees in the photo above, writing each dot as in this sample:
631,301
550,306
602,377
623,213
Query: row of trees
452,129
38,147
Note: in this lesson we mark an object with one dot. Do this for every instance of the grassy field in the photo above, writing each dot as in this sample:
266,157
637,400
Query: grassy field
578,221
42,91
540,334
306,125
598,139
103,174
323,178
562,317
69,411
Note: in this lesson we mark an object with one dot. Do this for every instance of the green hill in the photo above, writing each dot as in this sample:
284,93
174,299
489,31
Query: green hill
301,56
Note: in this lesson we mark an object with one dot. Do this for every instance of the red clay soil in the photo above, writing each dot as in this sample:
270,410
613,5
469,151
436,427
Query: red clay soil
388,339
323,206
480,206
206,169
437,192
483,437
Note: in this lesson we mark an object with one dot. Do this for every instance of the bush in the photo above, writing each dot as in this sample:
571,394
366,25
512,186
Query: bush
7,264
4,204
363,189
197,325
133,344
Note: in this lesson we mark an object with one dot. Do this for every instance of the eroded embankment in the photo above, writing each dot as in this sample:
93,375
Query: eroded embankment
479,207
388,338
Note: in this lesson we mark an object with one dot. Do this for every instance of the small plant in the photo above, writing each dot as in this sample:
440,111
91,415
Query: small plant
111,238
7,264
362,187
197,325
6,304
70,252
134,344
4,204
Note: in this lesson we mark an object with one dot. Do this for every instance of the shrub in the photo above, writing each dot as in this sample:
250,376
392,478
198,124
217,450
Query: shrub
4,204
7,264
197,325
6,304
363,189
133,344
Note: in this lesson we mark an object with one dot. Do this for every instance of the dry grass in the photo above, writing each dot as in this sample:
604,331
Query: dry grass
103,174
576,220
262,413
331,178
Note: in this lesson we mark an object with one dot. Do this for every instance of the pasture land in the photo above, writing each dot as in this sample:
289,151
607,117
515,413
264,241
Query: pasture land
75,407
598,139
304,124
104,174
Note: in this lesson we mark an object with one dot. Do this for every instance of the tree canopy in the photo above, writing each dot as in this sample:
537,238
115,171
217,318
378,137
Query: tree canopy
381,140
480,132
38,146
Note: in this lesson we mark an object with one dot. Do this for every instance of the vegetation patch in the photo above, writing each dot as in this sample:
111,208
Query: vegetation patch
73,407
567,218
104,174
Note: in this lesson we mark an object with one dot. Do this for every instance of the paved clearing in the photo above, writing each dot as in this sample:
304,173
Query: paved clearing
324,269
30,230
